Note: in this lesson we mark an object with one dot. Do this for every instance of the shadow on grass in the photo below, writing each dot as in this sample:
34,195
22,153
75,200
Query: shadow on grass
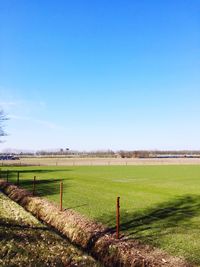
10,230
162,219
9,223
44,186
152,225
13,173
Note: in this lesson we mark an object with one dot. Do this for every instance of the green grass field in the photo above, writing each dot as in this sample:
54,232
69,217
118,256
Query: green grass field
160,205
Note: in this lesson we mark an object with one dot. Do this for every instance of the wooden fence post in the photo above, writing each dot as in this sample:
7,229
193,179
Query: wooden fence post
18,178
61,195
117,217
7,174
34,180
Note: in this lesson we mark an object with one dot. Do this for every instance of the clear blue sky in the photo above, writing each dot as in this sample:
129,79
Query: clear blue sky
100,74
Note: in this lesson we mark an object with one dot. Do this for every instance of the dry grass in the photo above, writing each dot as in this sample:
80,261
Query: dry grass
24,241
60,161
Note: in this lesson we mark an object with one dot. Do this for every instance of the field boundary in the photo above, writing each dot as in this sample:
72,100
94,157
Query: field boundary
40,161
91,236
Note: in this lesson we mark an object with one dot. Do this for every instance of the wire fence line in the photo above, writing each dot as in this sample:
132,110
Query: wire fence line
96,161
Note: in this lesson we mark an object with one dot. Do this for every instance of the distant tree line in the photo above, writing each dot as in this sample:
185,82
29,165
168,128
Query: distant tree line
159,153
76,153
107,153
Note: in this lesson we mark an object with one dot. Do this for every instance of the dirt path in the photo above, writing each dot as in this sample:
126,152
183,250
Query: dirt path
24,241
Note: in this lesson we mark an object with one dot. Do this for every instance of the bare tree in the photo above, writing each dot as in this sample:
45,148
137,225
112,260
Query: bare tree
2,119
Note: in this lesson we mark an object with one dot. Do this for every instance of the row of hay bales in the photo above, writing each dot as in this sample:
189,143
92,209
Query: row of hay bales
90,236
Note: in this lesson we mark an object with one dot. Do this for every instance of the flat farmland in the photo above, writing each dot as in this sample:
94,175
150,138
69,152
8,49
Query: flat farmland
160,204
76,161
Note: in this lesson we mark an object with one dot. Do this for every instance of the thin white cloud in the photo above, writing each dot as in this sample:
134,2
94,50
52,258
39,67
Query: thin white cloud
10,100
42,104
47,124
44,123
8,104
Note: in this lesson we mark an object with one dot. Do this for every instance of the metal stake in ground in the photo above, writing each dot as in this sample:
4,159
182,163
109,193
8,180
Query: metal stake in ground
61,194
18,178
117,217
7,175
34,180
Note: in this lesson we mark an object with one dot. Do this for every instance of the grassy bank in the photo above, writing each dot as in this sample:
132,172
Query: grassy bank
160,205
24,241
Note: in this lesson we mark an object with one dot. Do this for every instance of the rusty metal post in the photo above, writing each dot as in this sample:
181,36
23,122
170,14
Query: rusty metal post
34,180
7,174
18,178
61,195
118,218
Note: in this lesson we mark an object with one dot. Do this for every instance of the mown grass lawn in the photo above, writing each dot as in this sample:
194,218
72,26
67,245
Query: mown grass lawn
160,205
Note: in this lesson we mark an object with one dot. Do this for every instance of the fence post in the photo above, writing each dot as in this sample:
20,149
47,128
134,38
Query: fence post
0,173
18,178
61,195
7,175
117,217
34,180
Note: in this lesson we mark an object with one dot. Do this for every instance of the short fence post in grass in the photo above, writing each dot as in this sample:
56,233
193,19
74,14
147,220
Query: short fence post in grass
61,195
7,174
18,178
34,180
117,217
